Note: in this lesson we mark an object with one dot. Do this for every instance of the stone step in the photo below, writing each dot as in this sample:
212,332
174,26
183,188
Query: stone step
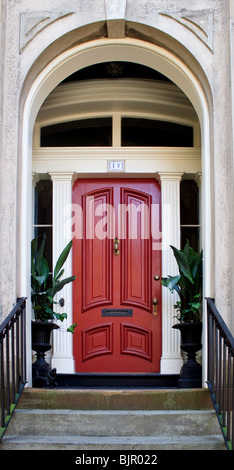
111,443
110,419
116,399
112,423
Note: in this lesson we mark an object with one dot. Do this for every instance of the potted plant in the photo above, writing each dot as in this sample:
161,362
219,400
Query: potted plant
44,287
188,285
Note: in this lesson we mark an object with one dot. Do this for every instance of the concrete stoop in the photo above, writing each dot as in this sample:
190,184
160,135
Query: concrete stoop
114,420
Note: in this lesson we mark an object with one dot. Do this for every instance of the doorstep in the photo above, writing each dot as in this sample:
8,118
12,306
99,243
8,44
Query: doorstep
116,380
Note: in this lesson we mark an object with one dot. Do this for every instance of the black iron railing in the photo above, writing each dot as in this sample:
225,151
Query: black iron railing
221,371
12,361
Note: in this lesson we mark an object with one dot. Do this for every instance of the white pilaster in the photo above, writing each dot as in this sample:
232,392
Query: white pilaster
62,358
35,180
198,179
171,360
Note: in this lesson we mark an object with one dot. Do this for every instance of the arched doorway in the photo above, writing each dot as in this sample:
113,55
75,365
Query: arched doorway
151,56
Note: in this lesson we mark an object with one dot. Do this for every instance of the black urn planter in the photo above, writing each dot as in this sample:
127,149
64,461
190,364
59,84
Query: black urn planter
191,371
42,375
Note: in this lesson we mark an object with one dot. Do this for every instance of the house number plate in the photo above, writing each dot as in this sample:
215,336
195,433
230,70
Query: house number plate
115,165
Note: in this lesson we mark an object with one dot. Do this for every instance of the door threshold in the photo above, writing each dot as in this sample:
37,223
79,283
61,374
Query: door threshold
117,380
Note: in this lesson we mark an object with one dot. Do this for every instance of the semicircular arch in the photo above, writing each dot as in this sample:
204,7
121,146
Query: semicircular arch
104,50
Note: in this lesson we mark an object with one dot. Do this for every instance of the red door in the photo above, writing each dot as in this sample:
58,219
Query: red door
119,320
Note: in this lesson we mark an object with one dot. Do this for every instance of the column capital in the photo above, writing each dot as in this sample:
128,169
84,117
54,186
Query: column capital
170,175
61,175
198,178
35,178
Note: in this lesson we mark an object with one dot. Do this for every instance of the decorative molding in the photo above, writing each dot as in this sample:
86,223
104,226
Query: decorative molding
32,23
200,23
137,160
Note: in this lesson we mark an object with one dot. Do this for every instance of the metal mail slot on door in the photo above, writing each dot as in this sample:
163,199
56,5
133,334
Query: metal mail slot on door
118,312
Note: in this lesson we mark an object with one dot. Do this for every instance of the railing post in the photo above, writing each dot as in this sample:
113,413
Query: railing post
210,348
17,356
12,361
2,382
7,372
221,371
232,438
224,404
24,332
216,378
229,405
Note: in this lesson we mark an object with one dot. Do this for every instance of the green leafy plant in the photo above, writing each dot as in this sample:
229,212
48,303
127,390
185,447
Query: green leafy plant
44,285
187,284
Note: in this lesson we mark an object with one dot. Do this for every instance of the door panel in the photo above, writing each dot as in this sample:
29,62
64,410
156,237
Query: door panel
135,253
96,251
112,294
136,341
97,341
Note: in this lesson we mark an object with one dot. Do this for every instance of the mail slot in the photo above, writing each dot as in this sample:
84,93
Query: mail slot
112,312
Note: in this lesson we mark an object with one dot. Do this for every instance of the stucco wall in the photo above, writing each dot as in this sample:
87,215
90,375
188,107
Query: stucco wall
199,32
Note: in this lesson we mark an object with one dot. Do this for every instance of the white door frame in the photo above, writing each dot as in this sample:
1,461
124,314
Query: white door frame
82,56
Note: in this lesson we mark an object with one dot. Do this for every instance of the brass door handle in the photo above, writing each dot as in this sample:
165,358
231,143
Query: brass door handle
155,306
116,246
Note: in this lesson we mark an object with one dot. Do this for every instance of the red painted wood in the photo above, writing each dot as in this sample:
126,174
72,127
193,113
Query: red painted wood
106,281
